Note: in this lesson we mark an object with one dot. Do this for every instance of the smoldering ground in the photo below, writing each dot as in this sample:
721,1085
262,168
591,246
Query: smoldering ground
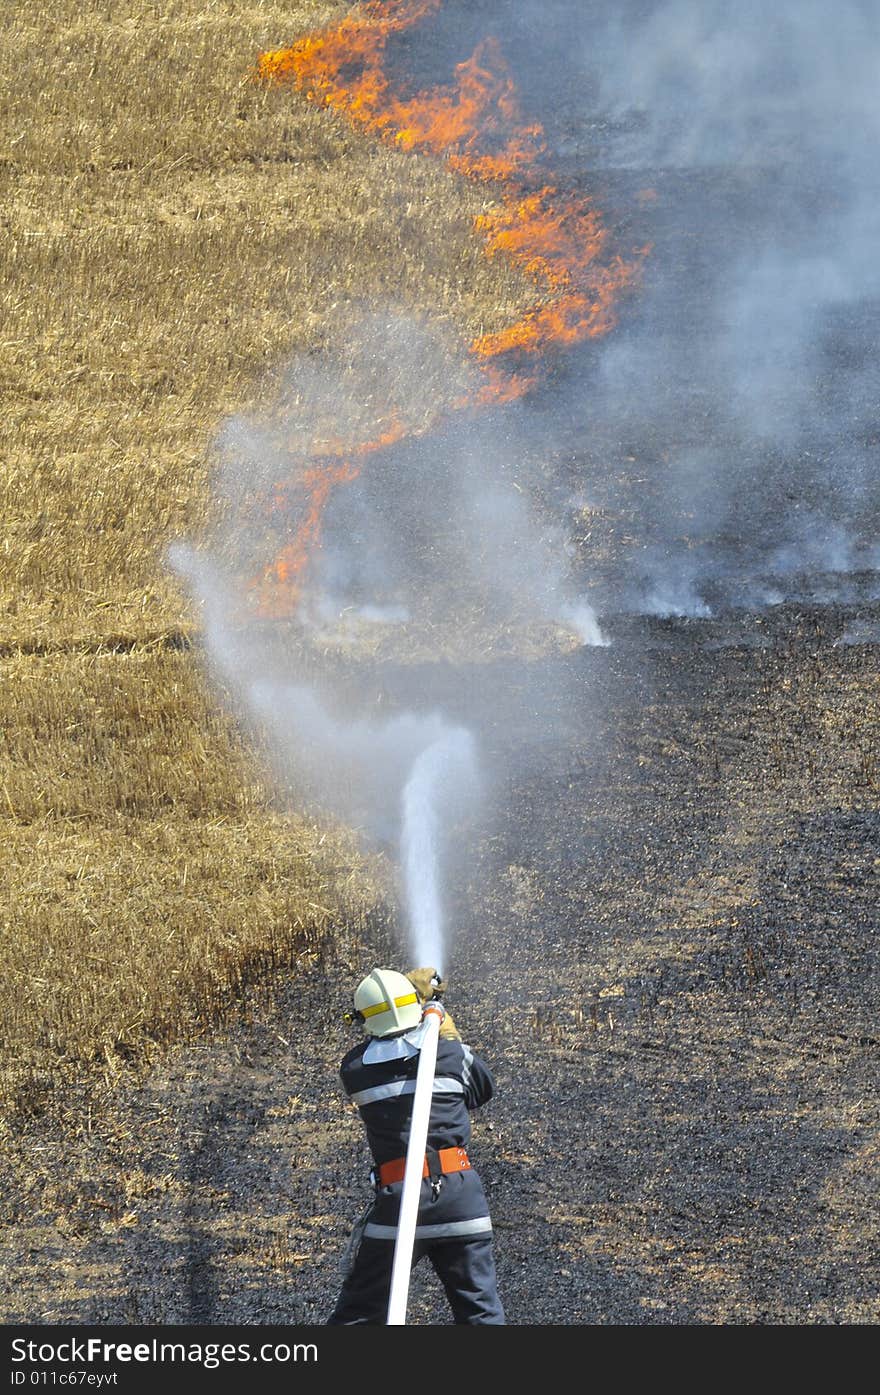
777,489
728,428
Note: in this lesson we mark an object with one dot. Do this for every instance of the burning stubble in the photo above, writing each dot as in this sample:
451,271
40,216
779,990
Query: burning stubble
557,240
745,381
413,509
439,527
420,510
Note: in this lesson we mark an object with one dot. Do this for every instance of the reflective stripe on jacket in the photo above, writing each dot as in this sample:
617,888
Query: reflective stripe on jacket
383,1092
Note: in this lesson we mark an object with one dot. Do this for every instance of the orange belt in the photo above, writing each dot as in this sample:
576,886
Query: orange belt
451,1160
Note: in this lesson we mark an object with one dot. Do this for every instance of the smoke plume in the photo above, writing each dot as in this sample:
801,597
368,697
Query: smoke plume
746,383
433,535
711,443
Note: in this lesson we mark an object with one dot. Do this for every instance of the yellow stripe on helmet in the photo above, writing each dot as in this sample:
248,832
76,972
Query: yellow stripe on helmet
386,1007
371,1011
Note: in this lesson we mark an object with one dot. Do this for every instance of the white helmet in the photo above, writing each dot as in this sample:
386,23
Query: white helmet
387,1003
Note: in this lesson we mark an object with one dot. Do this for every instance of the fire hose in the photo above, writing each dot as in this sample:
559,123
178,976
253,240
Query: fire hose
415,1160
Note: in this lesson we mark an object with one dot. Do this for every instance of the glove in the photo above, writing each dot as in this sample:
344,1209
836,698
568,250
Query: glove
448,1029
428,984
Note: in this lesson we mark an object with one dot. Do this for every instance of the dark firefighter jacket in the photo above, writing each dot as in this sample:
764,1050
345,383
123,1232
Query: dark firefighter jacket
380,1078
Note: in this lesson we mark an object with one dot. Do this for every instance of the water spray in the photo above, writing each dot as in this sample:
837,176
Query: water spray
447,765
447,762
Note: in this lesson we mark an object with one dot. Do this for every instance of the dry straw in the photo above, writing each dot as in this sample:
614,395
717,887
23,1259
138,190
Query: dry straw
171,233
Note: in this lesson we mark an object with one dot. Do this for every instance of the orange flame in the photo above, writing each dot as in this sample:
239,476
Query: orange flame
453,123
280,584
278,589
558,242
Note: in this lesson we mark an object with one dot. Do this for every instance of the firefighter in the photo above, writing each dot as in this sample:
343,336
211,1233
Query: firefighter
453,1228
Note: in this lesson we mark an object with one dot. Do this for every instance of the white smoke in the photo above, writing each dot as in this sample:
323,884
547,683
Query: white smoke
404,780
436,529
743,142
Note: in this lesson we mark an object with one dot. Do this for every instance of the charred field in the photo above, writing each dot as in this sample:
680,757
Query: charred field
666,949
664,917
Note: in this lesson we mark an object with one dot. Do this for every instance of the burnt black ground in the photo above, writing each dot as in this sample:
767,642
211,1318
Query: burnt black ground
667,952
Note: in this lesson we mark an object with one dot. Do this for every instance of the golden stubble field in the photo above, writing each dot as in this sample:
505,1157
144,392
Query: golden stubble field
171,235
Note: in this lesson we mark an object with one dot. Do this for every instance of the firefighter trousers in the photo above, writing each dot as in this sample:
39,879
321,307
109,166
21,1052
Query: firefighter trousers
466,1269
